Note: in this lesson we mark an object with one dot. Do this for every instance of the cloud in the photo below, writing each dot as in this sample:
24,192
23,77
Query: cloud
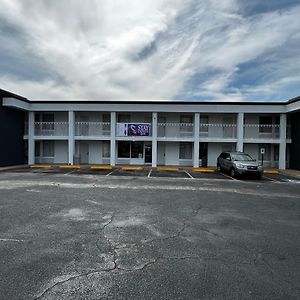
158,49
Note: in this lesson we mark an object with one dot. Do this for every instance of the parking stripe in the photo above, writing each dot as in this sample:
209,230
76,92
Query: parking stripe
70,172
269,178
110,173
227,176
149,174
189,174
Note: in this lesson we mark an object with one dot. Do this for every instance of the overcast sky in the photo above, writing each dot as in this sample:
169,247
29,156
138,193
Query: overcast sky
151,49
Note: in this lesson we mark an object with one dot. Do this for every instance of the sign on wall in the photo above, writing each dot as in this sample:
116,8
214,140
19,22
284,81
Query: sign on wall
130,129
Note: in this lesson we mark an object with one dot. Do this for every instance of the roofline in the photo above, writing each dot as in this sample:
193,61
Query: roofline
293,100
5,93
8,94
173,102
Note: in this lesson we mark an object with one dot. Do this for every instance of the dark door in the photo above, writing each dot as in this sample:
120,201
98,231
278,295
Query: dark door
203,154
148,153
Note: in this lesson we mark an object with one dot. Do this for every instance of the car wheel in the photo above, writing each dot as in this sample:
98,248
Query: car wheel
232,173
258,176
219,169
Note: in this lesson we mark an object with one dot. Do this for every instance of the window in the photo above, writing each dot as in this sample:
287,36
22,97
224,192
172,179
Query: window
228,147
137,149
124,149
48,121
123,118
186,124
48,148
265,124
204,125
185,151
105,149
106,123
228,127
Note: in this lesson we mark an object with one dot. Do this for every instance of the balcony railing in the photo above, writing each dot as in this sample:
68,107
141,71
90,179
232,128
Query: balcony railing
92,129
51,128
221,131
164,130
257,131
169,130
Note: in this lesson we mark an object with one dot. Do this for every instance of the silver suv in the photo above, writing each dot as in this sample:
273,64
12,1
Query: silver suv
239,163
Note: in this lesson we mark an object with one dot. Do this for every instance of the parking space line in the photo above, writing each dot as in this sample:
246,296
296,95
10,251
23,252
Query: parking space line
71,172
264,176
149,174
189,174
110,173
227,176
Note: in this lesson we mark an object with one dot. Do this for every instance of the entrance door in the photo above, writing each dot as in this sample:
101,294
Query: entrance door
203,154
137,153
84,153
148,153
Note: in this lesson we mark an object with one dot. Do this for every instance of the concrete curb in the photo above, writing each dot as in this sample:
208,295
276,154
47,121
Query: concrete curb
292,173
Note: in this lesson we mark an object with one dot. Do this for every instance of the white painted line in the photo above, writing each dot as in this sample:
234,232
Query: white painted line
149,174
189,174
70,172
110,173
11,240
269,178
225,175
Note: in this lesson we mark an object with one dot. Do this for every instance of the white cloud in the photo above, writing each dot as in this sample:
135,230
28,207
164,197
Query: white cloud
96,47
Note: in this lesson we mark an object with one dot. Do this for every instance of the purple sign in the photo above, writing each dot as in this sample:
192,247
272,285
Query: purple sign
138,129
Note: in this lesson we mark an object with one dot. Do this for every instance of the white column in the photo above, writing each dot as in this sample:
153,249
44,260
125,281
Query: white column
154,139
240,132
71,140
113,138
196,139
282,146
31,141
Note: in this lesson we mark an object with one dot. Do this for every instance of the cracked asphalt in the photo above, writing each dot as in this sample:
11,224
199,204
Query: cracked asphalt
76,236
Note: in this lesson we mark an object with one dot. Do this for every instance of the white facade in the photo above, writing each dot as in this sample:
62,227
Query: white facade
169,133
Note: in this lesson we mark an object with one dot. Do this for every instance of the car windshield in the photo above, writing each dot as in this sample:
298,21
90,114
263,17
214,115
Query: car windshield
242,157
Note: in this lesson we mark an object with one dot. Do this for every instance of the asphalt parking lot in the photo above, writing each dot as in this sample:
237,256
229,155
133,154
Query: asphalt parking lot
115,234
189,174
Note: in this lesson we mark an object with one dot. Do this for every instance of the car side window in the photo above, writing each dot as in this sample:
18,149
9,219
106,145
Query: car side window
227,156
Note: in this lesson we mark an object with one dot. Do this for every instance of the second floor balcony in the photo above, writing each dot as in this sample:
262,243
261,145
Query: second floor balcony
218,131
97,129
51,129
175,130
264,131
169,131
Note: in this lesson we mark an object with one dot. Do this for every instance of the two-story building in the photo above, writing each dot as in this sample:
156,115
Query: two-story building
177,133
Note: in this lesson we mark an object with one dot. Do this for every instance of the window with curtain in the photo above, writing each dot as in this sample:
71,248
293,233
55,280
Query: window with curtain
185,151
105,149
48,149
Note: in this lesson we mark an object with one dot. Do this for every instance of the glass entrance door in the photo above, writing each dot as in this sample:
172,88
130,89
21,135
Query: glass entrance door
137,153
148,153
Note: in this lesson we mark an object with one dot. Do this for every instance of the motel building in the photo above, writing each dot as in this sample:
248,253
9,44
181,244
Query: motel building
155,133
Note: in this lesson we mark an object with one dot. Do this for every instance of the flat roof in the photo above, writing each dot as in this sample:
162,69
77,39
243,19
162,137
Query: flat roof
4,93
8,94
